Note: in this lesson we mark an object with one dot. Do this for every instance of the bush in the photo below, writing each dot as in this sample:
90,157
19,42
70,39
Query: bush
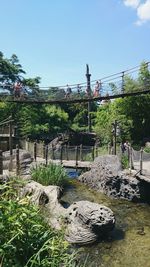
147,149
51,174
125,161
26,241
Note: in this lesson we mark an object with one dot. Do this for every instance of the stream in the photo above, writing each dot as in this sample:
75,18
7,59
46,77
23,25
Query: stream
128,244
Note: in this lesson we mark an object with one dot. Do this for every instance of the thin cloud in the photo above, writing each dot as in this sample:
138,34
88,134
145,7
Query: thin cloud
132,3
142,10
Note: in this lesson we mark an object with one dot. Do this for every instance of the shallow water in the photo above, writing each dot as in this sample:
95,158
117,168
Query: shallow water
128,244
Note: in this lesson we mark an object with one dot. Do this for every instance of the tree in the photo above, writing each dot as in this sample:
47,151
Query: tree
132,112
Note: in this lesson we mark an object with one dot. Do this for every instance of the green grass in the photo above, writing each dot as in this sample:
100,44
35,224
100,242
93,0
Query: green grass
51,174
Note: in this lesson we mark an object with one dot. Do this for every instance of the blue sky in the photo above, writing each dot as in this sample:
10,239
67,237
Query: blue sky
55,39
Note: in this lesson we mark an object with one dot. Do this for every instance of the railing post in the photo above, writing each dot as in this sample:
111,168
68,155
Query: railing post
1,162
46,155
141,160
93,153
10,137
17,161
53,156
35,151
109,148
81,147
96,151
43,150
76,156
130,158
61,154
67,152
27,144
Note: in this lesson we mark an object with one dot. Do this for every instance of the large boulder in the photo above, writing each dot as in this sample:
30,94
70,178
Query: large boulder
106,176
84,221
87,221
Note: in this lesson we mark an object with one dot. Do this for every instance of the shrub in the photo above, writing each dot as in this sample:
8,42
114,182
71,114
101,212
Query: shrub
51,174
125,161
147,149
26,241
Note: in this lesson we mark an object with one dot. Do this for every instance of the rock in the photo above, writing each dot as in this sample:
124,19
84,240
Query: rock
87,222
84,221
48,197
107,176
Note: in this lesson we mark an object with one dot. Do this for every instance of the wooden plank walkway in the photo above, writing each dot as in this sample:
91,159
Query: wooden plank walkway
66,163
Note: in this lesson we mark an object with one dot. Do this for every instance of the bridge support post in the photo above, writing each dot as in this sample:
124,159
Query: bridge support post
10,143
1,162
88,77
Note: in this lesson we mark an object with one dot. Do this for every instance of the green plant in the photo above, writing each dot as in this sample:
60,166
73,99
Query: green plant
125,162
26,241
51,174
147,149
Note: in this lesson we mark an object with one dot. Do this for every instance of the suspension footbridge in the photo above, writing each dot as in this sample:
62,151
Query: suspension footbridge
119,85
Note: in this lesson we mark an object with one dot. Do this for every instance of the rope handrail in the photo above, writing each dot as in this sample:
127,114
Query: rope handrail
119,74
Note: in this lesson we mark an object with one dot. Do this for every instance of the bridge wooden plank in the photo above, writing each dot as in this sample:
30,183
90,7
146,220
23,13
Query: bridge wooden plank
66,163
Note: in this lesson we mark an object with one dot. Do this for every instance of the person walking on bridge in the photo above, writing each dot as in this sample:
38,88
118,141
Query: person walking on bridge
17,89
68,92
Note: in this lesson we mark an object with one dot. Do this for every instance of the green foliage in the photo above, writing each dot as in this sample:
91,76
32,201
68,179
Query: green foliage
132,113
147,149
26,241
125,161
49,175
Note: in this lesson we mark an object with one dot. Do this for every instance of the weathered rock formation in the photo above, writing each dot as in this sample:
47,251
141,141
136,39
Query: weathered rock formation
107,176
85,222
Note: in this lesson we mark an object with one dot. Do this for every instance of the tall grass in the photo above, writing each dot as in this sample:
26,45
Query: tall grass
25,240
51,174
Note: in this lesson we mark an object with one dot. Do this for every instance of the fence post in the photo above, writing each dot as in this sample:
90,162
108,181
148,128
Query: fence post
46,155
53,156
67,152
130,158
76,156
43,150
81,147
109,148
93,153
17,161
10,137
96,151
27,144
1,162
141,160
35,151
61,154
